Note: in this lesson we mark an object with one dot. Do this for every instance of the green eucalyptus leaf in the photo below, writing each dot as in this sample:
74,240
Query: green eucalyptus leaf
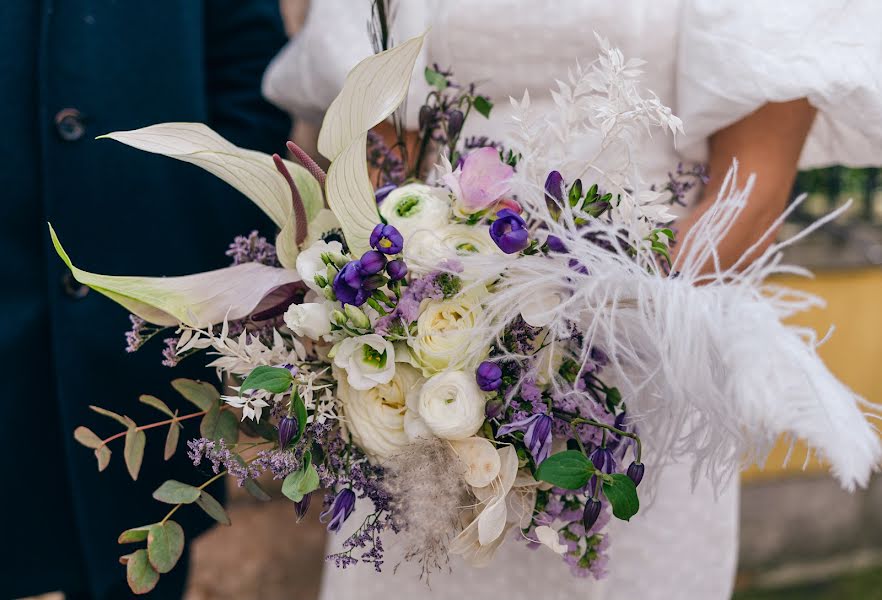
220,424
136,440
157,404
569,470
165,545
87,437
103,456
254,488
275,380
203,395
140,574
175,492
171,439
135,534
302,482
213,508
483,106
124,421
622,495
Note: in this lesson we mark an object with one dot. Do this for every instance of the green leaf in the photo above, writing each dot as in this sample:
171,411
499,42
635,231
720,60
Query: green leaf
103,456
203,395
141,576
175,492
87,437
220,424
300,413
134,451
435,79
135,534
165,545
253,488
124,421
569,470
302,482
157,404
483,106
171,439
271,379
263,429
214,508
622,495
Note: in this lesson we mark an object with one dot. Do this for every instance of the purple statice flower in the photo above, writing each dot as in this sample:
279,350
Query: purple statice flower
682,180
339,511
280,463
387,239
372,262
396,269
537,434
554,186
170,357
433,286
530,391
252,249
136,337
220,457
384,160
509,231
489,376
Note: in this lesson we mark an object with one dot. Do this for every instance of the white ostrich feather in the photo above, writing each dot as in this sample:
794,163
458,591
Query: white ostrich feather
707,367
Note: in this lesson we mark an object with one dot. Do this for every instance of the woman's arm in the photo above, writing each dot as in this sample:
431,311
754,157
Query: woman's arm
767,142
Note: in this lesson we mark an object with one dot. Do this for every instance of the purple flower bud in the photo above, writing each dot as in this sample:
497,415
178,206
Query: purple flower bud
554,185
635,472
339,511
372,262
383,191
538,438
348,284
455,121
592,511
603,460
396,269
509,231
555,244
373,282
424,116
489,376
301,508
386,239
288,426
494,408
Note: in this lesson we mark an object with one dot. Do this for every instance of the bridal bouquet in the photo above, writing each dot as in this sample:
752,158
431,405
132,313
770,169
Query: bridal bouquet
508,344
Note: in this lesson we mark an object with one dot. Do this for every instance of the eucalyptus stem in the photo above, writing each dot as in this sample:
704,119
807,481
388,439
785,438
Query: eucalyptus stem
152,425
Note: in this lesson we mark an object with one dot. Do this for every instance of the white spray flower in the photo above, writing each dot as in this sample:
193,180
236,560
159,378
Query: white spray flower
368,360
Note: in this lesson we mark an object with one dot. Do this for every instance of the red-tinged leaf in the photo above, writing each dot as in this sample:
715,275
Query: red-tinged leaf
103,456
156,403
213,508
165,545
136,440
171,439
203,395
124,421
135,534
87,437
141,576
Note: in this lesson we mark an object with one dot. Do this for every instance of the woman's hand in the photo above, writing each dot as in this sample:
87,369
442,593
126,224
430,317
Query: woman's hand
767,142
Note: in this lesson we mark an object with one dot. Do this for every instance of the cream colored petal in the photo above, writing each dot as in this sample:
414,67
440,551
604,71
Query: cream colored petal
481,459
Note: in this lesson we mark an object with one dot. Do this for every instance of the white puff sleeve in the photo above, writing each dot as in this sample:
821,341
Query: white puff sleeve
306,76
734,56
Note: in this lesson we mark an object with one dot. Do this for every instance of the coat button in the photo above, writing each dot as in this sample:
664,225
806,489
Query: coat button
73,288
70,124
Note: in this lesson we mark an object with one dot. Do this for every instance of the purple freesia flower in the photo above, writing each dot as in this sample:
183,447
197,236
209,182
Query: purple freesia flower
554,186
480,181
349,286
489,376
387,239
372,262
509,231
339,511
396,269
537,434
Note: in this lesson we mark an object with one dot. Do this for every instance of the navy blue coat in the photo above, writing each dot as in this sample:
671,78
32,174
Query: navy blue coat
71,70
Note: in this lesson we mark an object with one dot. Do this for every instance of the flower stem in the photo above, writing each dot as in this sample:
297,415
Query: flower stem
157,424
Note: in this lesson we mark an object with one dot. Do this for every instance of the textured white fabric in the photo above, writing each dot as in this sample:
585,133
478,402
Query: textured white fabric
713,62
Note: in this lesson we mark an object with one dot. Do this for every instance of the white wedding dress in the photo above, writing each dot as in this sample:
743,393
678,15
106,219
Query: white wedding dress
713,62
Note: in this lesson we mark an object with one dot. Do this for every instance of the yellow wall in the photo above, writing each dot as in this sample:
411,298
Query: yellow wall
853,353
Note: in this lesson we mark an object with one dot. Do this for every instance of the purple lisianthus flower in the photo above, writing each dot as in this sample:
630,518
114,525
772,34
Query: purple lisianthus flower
537,434
554,186
339,511
372,262
396,269
386,239
509,231
383,191
288,426
480,180
489,376
348,284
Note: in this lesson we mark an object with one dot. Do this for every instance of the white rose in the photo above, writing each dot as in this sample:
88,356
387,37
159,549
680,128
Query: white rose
449,405
416,206
309,262
445,337
427,248
375,417
312,319
368,360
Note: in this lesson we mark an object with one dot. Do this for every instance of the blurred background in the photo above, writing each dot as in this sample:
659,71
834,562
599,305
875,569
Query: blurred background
801,536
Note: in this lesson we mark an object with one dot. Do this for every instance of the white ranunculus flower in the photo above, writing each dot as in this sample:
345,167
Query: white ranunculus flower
312,319
427,248
309,262
538,309
368,360
450,405
416,206
445,338
375,417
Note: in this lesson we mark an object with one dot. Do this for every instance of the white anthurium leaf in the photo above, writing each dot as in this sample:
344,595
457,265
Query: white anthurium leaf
351,196
252,173
492,520
549,537
373,89
480,458
197,300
